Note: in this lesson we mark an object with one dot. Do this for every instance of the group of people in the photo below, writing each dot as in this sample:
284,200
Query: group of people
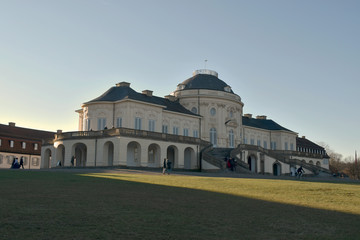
16,164
231,163
166,166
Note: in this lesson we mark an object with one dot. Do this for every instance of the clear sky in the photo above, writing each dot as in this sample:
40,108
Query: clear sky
295,61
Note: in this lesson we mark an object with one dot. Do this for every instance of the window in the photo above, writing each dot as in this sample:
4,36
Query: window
286,146
0,142
213,137
212,111
273,145
195,133
231,114
164,129
259,143
265,144
87,124
231,138
227,89
23,145
252,141
194,110
101,123
138,123
175,130
119,122
151,125
36,146
291,146
245,140
11,144
186,132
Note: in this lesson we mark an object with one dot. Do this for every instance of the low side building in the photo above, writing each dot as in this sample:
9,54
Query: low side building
17,142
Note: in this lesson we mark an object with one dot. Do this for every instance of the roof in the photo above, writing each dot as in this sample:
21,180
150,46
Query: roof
118,93
305,143
24,133
266,124
205,81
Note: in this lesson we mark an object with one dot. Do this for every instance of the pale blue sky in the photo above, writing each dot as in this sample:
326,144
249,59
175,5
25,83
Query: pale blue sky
295,61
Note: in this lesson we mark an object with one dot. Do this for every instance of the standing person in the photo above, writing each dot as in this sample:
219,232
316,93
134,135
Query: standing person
22,162
169,166
72,160
300,172
164,165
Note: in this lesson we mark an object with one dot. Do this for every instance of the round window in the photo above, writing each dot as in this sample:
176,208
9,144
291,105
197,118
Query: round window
212,111
194,110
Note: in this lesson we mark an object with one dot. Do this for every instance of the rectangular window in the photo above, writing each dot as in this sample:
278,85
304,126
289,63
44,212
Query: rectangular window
265,144
87,127
273,145
119,122
36,146
286,146
138,123
175,130
164,129
195,134
245,140
0,142
101,123
252,141
151,125
186,132
291,146
23,145
259,143
11,144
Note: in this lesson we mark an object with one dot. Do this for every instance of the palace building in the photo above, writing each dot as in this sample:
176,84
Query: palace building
196,127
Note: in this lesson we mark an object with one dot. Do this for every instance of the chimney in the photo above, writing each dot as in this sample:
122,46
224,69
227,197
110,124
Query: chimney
59,132
248,115
263,117
303,137
123,84
170,98
11,124
147,93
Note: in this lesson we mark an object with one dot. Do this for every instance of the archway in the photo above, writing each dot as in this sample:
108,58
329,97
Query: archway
311,162
172,155
133,154
189,159
276,169
47,158
60,155
154,155
252,163
318,164
108,154
79,152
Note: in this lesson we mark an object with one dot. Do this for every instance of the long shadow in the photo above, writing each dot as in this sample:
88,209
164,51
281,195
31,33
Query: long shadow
68,206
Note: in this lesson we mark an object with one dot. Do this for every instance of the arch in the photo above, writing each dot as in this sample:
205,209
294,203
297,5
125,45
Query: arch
318,164
213,137
47,158
189,158
252,163
231,138
277,169
292,170
154,154
311,162
60,155
108,153
172,154
133,157
79,151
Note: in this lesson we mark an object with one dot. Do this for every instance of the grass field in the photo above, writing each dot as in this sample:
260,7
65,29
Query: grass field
73,205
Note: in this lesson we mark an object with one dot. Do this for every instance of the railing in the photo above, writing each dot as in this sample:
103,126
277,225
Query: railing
127,132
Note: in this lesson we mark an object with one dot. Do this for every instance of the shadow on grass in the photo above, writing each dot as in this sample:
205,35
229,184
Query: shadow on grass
48,205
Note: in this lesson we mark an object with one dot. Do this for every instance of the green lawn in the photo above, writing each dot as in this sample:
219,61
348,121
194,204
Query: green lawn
69,205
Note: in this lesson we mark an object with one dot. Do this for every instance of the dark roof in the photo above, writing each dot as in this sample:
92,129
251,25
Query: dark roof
205,81
267,124
305,143
118,93
24,133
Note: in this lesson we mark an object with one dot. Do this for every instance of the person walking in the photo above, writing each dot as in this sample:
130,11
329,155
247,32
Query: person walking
164,166
22,162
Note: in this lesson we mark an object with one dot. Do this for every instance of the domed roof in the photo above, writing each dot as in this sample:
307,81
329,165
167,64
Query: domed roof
204,79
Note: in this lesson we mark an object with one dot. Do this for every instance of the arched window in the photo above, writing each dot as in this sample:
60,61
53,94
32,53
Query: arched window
194,110
231,138
213,138
212,111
